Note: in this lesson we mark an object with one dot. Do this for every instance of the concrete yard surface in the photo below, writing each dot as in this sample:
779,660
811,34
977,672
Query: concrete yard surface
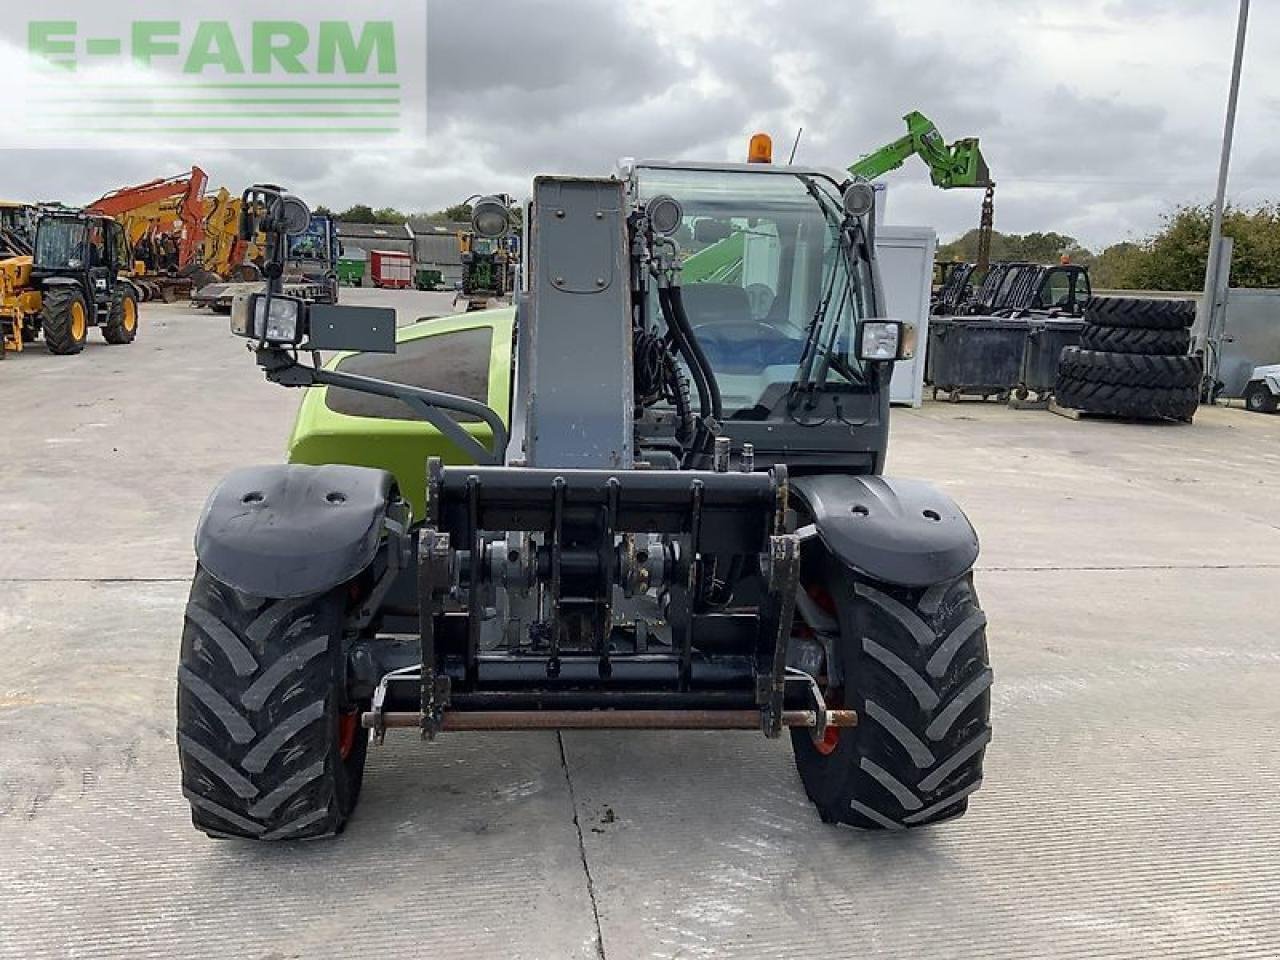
1131,808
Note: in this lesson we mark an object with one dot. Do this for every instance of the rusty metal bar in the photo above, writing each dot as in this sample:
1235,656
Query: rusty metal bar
610,719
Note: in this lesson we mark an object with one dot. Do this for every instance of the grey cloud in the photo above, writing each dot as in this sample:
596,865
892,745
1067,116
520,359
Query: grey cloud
519,87
1155,9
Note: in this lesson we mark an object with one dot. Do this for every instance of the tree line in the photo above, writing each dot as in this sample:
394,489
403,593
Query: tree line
363,213
1171,258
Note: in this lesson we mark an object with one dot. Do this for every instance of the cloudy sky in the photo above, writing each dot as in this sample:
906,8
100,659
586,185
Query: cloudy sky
1096,116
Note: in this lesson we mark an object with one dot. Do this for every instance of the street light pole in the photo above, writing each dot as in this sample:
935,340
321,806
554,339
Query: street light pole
1214,325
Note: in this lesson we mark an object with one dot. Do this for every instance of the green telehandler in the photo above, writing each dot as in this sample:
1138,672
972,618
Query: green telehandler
627,502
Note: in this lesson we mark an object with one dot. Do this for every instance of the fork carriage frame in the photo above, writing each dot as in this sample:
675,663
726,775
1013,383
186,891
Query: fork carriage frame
705,554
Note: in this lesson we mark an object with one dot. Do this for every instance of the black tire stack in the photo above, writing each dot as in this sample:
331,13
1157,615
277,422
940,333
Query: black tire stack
1132,361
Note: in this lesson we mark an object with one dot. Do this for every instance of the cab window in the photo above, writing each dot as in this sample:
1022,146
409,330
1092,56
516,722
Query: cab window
455,362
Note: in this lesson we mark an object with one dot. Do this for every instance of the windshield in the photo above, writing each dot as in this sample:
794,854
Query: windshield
60,244
773,289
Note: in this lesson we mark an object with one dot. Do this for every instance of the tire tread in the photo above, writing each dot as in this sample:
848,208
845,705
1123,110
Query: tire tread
258,701
114,330
916,671
1144,313
1138,403
1131,369
1135,340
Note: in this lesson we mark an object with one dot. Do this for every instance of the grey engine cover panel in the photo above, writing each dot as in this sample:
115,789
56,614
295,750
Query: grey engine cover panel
902,532
289,530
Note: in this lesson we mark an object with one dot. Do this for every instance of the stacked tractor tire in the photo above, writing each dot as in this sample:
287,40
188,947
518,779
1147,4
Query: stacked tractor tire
1133,361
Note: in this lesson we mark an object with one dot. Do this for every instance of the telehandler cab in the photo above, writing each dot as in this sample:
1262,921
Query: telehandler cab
660,507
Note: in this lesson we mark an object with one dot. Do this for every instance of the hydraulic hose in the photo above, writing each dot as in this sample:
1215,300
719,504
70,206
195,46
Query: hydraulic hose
686,330
698,454
685,432
683,347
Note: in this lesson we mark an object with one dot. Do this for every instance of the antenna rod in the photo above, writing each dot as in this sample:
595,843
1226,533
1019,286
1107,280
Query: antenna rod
794,147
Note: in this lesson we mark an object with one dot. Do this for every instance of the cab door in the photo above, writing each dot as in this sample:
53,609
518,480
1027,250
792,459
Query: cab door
101,241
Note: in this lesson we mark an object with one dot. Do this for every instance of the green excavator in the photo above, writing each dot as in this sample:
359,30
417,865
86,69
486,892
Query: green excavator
951,166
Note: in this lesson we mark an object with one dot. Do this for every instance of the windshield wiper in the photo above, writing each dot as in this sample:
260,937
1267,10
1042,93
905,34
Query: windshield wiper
815,355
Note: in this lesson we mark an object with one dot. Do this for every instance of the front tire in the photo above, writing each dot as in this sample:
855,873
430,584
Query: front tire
1258,398
270,747
913,664
64,319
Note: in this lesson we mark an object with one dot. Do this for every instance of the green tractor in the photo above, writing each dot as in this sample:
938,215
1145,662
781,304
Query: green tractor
628,503
489,259
77,267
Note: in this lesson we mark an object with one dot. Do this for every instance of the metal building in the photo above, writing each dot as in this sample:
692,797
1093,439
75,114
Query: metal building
436,247
375,236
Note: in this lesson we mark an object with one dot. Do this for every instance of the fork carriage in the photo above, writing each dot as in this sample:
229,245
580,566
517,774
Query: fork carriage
598,599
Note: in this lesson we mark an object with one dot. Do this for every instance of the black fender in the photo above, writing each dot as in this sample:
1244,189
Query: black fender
902,532
290,530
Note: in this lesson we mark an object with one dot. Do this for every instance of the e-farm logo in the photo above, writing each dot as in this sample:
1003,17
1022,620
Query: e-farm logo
312,81
275,45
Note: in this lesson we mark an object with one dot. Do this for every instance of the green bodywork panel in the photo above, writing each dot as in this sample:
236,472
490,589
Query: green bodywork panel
321,435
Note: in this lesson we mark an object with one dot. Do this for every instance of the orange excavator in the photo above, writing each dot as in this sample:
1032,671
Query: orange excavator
164,224
176,203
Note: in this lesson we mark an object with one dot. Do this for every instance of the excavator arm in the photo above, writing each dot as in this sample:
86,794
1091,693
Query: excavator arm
147,201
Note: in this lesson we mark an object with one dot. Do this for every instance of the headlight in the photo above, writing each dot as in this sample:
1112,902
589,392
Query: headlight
887,340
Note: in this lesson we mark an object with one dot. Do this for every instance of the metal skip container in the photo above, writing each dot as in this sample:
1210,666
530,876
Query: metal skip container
976,356
1045,342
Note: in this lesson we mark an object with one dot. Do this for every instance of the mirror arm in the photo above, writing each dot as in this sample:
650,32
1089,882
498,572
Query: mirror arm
428,405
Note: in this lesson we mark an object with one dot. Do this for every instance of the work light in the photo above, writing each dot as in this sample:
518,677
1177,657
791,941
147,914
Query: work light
295,215
665,215
882,340
858,199
490,218
280,325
